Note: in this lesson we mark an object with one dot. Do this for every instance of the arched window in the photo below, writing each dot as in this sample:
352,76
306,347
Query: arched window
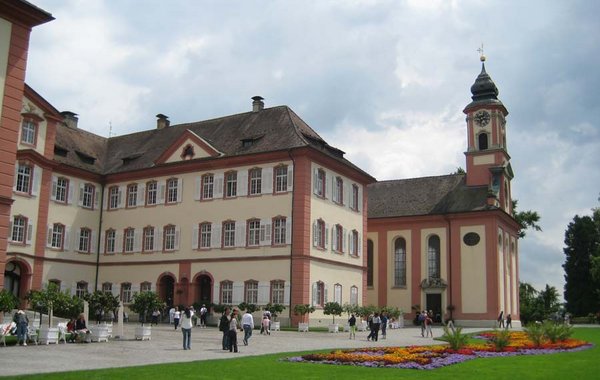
433,256
483,141
369,263
400,262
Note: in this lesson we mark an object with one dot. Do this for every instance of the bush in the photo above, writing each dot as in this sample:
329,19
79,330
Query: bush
535,333
333,308
8,301
455,339
557,333
501,339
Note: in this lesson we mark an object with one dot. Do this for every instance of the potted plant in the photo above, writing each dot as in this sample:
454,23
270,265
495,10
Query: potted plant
302,310
333,309
143,304
103,306
45,300
275,309
395,314
8,302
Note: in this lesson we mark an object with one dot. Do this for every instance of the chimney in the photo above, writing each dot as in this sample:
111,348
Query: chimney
70,119
162,122
257,104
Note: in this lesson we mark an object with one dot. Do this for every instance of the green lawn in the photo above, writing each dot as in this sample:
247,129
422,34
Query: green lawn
565,366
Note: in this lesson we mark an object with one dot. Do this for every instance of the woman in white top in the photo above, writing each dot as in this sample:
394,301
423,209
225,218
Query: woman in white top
186,328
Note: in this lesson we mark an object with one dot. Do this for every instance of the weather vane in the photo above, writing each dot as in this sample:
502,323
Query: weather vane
480,50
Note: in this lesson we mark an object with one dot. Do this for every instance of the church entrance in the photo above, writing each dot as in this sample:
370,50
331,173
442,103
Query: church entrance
166,289
434,303
204,290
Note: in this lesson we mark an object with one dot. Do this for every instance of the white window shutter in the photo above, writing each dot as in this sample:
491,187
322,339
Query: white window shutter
37,177
71,190
102,238
121,197
359,205
105,201
240,234
288,231
118,241
141,194
161,192
315,239
215,235
325,291
177,237
242,183
67,239
137,238
218,185
267,180
49,236
263,232
158,246
268,229
179,189
290,178
350,243
96,198
76,248
334,196
116,290
54,186
264,289
29,232
326,236
80,201
334,240
238,293
344,246
195,232
327,188
345,196
315,300
93,242
316,181
198,189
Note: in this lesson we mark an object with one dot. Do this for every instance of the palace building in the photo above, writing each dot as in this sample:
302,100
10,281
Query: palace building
254,207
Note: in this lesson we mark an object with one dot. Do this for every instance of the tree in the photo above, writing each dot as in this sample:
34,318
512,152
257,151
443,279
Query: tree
249,307
526,219
548,299
275,309
44,300
102,303
333,309
582,248
303,309
144,303
537,306
8,301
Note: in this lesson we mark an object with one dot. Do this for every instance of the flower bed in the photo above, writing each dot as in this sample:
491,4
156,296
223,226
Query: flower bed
430,357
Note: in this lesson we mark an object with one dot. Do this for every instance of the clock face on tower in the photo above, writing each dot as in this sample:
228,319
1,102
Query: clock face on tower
482,118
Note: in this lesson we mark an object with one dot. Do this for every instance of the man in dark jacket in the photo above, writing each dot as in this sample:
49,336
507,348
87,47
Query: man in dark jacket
224,328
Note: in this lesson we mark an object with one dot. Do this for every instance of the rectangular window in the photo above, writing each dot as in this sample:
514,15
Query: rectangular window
81,290
132,195
337,239
169,238
229,234
320,183
87,195
146,287
279,231
62,190
58,231
113,198
28,132
151,191
354,200
251,292
320,234
353,295
172,190
253,233
230,184
84,240
354,243
281,179
126,292
24,175
110,241
337,293
277,292
107,288
148,239
19,229
227,293
129,241
208,183
255,181
205,235
320,296
338,191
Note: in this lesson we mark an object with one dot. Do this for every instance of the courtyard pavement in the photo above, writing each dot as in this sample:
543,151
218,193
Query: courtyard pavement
166,347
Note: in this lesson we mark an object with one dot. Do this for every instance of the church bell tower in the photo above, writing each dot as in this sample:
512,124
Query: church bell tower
488,162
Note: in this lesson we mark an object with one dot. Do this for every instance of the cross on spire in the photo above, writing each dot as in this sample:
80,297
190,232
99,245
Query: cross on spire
480,51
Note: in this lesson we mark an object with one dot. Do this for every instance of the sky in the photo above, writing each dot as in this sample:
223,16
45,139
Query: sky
385,81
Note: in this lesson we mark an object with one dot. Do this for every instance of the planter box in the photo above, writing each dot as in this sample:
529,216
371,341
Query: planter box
276,326
48,335
99,333
334,327
143,332
302,327
346,328
362,326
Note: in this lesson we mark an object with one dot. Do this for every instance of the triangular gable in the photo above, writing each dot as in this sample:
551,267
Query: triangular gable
188,146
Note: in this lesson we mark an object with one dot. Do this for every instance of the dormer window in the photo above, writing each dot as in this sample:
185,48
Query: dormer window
59,151
246,143
86,158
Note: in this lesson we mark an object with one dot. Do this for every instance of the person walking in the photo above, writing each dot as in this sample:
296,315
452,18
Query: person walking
421,320
384,323
224,328
233,327
171,315
203,314
155,317
375,325
247,325
428,323
265,325
501,319
352,324
508,321
186,328
22,323
176,317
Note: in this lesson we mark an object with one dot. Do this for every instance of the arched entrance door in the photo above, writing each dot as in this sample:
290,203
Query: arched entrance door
166,289
12,278
204,290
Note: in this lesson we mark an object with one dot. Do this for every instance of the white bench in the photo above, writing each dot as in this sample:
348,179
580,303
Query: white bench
32,334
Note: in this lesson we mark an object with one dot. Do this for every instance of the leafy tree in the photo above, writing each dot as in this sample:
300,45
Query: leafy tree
102,303
250,307
275,309
8,301
582,248
303,309
144,303
548,299
44,300
333,309
459,170
526,219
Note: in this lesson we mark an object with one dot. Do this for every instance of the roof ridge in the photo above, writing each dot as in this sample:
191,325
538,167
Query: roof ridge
296,128
425,177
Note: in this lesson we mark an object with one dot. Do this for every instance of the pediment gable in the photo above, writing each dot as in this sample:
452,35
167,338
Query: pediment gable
188,146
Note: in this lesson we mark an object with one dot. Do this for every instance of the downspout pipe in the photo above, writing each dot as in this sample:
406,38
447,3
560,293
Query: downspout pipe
98,241
291,233
449,248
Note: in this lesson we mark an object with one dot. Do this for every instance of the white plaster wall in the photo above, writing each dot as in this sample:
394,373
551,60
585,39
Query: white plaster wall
399,296
473,272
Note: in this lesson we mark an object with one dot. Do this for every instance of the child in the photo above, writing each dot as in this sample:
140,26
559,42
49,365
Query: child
266,322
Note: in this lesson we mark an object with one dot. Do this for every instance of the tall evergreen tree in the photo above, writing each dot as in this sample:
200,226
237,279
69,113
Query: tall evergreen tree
582,241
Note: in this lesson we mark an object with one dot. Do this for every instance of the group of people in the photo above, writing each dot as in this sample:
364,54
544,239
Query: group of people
229,324
176,316
425,319
376,322
502,323
77,328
